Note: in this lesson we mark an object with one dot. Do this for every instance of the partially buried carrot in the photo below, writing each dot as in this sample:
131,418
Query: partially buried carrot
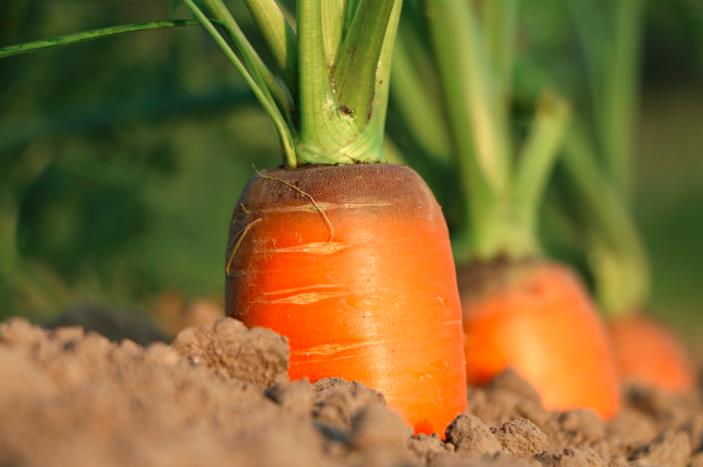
648,354
346,256
520,309
353,264
597,167
538,319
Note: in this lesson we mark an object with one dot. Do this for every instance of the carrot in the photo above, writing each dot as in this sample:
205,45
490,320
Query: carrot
522,318
353,264
596,199
520,309
647,353
347,257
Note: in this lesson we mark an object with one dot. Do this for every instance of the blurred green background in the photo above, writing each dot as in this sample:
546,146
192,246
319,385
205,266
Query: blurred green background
121,159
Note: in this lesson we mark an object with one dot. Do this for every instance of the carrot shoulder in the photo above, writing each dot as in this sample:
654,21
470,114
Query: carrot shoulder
353,264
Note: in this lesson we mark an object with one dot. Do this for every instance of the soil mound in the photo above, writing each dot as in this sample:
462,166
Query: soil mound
219,395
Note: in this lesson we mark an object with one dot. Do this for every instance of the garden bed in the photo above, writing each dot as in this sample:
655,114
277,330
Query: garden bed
220,396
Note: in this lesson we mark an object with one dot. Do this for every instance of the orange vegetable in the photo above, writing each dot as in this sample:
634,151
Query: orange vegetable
537,319
647,353
353,264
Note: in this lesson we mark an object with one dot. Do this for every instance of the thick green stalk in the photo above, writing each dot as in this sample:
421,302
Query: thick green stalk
468,82
321,123
333,12
341,123
85,36
354,73
379,104
479,133
279,36
500,30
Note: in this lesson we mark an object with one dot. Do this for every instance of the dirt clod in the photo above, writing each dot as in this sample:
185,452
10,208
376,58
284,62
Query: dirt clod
469,433
257,355
521,437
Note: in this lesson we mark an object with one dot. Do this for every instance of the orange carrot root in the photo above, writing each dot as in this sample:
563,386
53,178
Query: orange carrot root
647,353
375,302
537,319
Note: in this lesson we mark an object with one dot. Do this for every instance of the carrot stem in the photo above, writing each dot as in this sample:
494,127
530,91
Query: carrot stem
539,155
620,92
500,193
354,72
413,97
254,81
614,249
85,36
343,109
500,30
599,171
279,35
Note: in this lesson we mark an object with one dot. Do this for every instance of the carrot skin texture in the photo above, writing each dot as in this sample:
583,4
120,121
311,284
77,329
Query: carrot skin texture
647,353
361,282
538,320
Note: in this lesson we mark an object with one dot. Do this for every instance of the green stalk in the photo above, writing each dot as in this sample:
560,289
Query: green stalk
601,185
253,63
500,30
412,96
467,79
320,121
255,83
333,15
590,24
620,91
279,36
343,112
85,36
341,59
614,249
480,134
379,104
354,73
537,160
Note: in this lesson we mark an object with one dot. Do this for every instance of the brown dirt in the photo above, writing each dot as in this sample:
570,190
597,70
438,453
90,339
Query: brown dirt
219,395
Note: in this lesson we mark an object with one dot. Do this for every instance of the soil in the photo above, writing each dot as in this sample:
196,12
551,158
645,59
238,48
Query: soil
220,395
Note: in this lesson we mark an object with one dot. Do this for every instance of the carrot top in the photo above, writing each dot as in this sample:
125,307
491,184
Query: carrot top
328,93
457,61
596,166
327,88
